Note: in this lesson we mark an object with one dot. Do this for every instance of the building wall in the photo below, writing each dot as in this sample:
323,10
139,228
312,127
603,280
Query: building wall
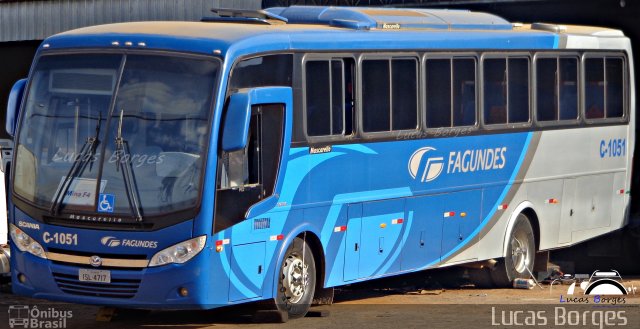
36,20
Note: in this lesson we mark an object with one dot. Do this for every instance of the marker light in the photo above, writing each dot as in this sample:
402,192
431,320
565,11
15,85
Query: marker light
179,253
25,243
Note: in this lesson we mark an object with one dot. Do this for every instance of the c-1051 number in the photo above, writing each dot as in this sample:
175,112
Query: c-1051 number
613,148
60,238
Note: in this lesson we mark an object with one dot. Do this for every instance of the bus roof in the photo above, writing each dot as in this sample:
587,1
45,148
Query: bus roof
326,28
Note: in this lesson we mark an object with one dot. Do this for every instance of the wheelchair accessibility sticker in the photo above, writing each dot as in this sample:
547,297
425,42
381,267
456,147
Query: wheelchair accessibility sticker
106,202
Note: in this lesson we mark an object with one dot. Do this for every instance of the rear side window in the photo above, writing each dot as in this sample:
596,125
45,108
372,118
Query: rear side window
389,94
604,87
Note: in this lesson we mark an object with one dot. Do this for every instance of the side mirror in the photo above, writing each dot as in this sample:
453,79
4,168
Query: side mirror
13,106
236,124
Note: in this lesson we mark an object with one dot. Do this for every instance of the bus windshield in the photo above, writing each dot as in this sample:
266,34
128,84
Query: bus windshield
115,135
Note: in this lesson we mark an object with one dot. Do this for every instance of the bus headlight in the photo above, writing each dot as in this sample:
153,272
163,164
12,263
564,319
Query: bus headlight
25,243
179,253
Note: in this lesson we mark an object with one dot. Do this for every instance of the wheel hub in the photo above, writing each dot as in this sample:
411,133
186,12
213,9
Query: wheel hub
520,254
295,278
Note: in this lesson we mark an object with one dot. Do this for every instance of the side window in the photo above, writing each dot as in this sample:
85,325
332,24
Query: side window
546,89
506,90
594,88
451,92
604,87
389,94
518,90
615,87
557,88
325,97
264,71
495,91
464,91
438,93
249,175
404,82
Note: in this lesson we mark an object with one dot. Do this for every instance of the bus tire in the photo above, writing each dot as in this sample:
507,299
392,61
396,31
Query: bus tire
296,280
520,254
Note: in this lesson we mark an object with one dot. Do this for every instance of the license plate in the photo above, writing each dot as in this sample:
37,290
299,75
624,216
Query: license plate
101,276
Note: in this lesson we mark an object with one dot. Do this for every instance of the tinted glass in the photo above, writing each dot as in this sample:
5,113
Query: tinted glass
464,91
615,87
568,88
518,90
438,93
546,89
375,96
265,71
337,97
405,93
318,98
594,88
495,91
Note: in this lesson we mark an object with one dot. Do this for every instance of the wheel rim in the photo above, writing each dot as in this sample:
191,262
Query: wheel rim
520,253
295,278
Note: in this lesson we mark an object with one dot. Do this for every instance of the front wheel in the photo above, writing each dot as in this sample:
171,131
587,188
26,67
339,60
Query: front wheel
296,280
521,249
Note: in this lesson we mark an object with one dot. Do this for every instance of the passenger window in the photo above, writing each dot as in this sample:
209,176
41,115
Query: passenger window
615,87
518,90
451,80
318,98
464,91
495,91
568,88
506,90
324,93
389,95
546,89
375,96
594,88
404,75
557,89
438,93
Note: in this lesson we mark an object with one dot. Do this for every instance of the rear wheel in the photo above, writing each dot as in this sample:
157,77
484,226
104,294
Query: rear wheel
521,249
296,280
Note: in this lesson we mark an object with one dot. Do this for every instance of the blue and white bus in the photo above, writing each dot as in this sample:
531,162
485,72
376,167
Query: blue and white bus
275,155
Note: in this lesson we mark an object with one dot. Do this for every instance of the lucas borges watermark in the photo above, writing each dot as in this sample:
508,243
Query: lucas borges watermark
38,317
595,301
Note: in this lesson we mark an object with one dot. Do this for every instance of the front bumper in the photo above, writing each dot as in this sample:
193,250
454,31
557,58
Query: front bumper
147,288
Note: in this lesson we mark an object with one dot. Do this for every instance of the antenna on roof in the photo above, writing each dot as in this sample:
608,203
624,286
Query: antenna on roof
244,16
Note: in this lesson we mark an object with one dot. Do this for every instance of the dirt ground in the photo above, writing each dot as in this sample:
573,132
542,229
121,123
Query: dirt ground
388,304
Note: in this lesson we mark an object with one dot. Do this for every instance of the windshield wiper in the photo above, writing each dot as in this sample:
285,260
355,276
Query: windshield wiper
87,152
122,149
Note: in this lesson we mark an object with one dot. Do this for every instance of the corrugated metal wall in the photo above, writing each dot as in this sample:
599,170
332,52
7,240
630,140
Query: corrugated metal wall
36,20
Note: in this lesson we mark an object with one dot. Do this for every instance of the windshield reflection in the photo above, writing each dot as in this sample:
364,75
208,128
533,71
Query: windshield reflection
160,111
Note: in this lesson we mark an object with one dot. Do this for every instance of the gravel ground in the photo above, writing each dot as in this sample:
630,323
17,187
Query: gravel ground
383,304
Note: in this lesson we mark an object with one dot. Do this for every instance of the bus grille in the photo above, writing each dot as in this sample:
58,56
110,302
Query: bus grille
118,288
